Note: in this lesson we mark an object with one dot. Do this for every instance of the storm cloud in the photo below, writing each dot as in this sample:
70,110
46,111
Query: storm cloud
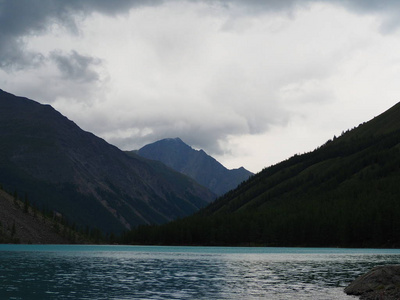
251,81
74,66
23,18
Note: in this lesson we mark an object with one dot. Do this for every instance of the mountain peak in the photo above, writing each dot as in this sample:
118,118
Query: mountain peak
343,194
177,140
68,170
196,164
170,141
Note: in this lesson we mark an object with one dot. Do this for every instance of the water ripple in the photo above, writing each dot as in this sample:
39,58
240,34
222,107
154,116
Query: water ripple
183,275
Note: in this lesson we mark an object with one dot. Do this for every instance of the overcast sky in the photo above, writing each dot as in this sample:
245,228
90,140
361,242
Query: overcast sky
250,82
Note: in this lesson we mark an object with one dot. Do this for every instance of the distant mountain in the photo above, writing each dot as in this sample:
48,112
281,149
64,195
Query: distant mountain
196,164
82,177
345,193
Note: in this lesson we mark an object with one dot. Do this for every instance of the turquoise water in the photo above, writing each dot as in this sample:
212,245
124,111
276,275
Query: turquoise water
147,272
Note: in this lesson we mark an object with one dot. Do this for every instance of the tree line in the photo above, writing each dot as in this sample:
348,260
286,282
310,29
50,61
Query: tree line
345,193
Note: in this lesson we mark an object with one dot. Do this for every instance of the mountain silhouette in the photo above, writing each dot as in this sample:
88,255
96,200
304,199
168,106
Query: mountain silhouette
79,175
345,193
195,163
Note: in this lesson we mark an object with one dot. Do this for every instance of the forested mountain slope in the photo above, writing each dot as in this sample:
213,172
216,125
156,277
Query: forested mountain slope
345,193
21,223
196,164
80,176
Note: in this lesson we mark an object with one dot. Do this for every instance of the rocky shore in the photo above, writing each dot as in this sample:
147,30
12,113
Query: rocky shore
380,283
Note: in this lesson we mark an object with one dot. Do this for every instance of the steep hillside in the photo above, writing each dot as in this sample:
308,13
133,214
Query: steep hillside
19,224
196,164
345,193
82,177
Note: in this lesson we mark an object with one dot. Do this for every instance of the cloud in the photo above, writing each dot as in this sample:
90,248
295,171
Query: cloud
75,66
24,18
254,7
368,6
194,78
388,9
218,74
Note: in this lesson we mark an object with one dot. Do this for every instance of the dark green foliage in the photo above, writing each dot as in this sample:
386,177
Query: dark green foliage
26,204
345,193
13,230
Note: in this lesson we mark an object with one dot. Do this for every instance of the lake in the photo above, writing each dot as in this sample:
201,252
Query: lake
151,272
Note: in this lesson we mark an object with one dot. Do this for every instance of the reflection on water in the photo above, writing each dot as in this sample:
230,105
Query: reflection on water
135,273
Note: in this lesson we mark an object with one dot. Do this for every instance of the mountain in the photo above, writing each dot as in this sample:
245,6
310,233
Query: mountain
195,164
345,193
80,176
19,226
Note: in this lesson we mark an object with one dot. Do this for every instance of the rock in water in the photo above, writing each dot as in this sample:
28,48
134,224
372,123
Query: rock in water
382,282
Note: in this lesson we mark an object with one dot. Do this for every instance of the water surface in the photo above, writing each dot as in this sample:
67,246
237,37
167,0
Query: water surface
147,272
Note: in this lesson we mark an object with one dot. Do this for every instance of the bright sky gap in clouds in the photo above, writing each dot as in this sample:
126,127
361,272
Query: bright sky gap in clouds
250,82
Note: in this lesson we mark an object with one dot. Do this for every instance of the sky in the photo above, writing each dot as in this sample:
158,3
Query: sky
250,82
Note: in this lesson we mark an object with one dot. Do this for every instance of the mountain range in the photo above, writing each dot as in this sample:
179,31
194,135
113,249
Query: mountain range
80,176
196,164
344,193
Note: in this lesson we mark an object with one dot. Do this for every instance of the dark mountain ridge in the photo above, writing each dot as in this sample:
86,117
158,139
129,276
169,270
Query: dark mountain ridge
79,175
196,164
345,193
